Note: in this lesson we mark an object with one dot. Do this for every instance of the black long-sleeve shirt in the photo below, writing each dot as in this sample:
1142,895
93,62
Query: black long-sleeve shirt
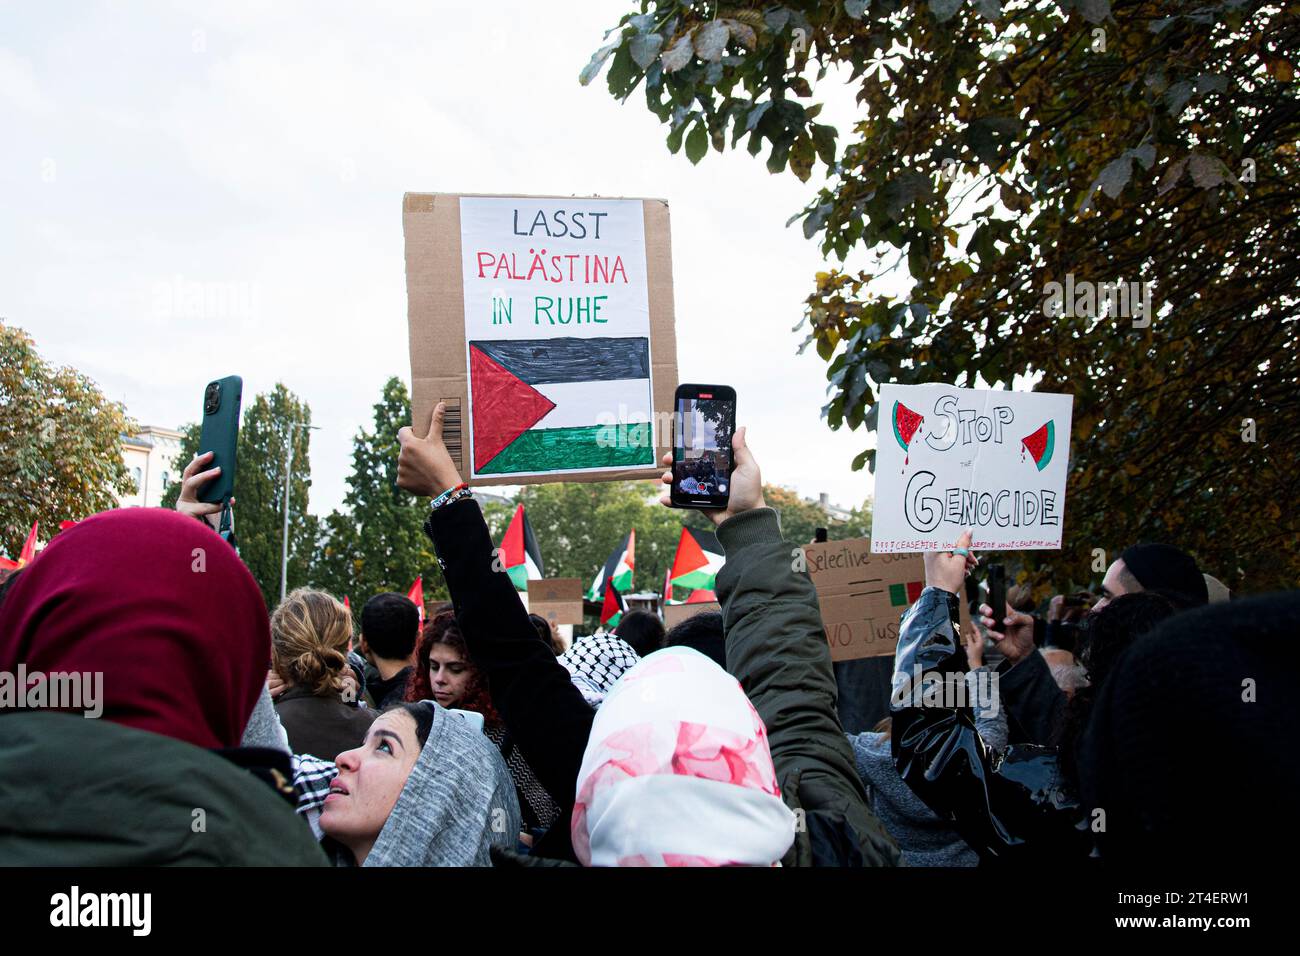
547,716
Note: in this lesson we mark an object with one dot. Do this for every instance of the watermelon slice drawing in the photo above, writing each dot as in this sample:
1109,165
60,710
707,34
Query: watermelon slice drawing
1040,444
906,424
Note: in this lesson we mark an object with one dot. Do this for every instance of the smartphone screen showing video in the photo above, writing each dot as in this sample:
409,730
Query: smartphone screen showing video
703,424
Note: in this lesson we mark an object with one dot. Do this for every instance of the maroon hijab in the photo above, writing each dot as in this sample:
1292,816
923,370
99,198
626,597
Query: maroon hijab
162,606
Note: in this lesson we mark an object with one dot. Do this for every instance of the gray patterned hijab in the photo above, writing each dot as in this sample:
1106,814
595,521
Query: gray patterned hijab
457,803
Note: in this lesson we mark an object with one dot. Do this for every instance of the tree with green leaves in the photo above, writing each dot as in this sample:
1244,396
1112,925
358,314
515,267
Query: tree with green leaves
377,543
60,444
1000,149
800,518
262,450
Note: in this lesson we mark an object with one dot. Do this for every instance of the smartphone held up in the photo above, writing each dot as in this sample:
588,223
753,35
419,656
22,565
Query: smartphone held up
704,420
219,435
997,584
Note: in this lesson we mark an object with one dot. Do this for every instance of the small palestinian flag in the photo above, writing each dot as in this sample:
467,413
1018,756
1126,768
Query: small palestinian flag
611,610
702,596
523,559
617,569
668,586
25,555
416,594
536,404
698,559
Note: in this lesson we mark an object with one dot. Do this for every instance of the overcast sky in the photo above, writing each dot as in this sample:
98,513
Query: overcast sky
263,148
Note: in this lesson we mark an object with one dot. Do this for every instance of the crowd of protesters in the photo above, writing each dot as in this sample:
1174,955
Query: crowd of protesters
1151,722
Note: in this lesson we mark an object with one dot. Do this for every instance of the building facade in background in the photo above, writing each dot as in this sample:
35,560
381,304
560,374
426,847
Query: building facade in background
150,457
834,512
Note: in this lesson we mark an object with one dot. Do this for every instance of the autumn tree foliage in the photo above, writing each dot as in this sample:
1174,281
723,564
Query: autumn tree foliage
60,444
1001,147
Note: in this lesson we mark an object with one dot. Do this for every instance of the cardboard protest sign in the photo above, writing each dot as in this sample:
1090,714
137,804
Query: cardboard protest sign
863,596
954,459
546,324
559,600
674,614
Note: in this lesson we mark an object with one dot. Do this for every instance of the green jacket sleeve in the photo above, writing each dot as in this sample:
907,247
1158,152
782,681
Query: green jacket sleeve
776,648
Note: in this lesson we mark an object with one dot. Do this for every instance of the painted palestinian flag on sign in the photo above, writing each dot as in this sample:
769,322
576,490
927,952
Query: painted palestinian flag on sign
612,608
617,570
519,551
698,560
905,594
542,405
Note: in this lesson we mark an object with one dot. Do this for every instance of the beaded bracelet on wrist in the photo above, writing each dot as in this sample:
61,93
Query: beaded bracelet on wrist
450,495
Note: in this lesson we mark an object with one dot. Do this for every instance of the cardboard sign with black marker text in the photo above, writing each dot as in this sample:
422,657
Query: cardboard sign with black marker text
863,595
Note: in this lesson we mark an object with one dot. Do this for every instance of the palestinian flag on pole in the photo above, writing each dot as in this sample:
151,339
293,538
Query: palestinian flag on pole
523,559
611,610
698,560
668,586
536,404
617,569
416,594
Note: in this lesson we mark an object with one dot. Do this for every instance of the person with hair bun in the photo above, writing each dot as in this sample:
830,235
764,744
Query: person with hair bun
310,634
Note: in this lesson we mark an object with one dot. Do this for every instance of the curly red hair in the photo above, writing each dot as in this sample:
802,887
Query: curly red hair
443,629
